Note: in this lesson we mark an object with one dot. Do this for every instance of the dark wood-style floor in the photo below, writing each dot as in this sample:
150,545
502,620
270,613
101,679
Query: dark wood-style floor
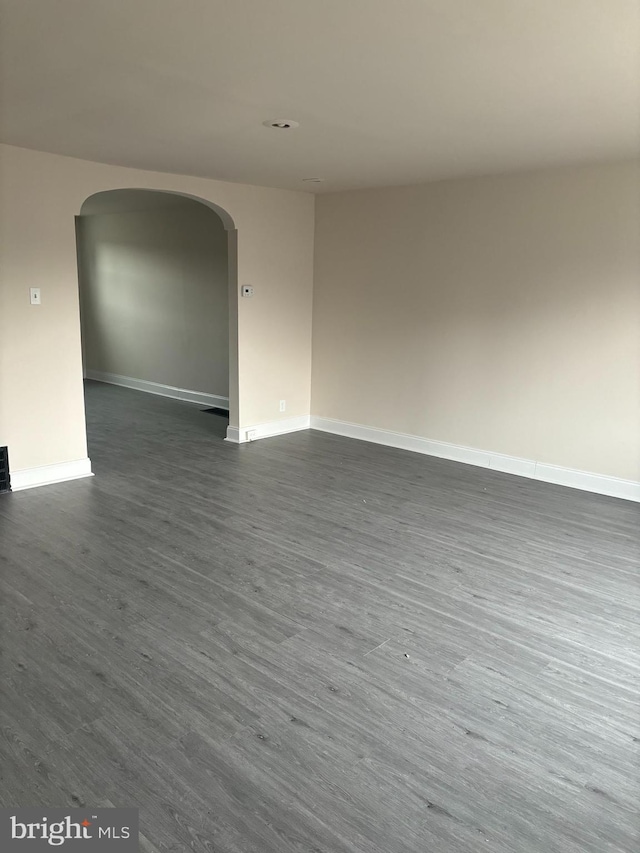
315,644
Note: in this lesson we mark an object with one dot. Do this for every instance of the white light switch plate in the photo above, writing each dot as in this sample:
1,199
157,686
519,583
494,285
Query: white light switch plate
34,296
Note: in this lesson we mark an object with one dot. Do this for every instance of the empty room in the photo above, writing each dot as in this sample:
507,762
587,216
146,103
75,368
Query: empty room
320,426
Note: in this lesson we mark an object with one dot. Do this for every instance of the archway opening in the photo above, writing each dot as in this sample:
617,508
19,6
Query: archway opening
157,281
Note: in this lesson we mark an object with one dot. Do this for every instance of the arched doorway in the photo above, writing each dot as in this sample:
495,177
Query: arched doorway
158,284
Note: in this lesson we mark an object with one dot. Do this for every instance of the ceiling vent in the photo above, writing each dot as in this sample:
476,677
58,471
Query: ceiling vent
281,123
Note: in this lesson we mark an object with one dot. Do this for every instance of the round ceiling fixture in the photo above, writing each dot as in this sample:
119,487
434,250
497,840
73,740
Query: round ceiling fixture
313,180
281,123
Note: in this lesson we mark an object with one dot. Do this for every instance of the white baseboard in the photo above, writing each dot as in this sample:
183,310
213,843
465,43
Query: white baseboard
612,486
267,430
615,487
29,478
233,435
183,394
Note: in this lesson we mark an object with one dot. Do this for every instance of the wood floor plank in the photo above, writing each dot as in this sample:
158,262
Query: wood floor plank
310,644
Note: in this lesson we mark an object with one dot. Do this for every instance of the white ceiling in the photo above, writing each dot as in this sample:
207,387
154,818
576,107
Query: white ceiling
386,91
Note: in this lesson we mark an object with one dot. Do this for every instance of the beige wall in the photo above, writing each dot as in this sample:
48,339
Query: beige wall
154,296
499,313
41,399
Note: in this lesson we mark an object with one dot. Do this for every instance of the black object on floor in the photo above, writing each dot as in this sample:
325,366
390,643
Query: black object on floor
216,411
5,479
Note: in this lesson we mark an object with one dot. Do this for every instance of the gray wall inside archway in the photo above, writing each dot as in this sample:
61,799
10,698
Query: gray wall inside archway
141,198
153,272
